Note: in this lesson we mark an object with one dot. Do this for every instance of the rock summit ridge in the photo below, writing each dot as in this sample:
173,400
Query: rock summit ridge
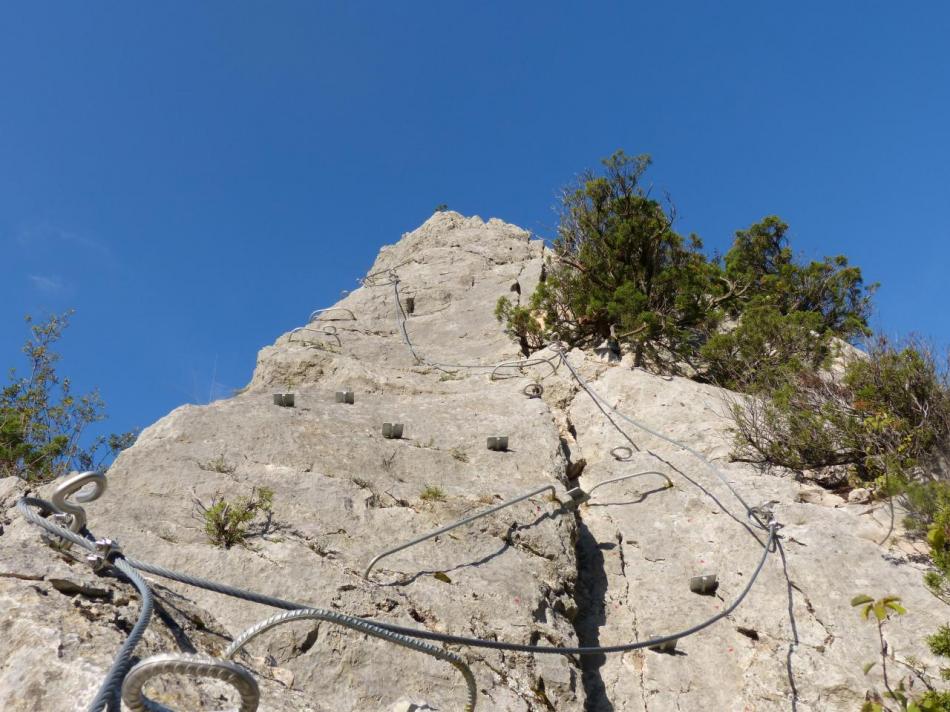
614,570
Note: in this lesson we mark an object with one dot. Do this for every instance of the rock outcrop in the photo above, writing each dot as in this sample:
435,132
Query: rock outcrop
614,570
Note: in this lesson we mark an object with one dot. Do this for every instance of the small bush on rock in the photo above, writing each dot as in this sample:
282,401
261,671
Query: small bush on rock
879,422
432,493
227,522
881,417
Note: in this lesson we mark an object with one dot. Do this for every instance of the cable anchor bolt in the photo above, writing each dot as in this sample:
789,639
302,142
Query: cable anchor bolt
578,496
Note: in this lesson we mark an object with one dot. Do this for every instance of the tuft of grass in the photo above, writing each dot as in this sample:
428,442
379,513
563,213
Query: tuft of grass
459,454
219,464
432,493
387,462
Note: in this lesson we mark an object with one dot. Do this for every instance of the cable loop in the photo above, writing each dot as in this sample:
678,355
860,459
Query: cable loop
622,453
533,390
72,515
190,666
363,627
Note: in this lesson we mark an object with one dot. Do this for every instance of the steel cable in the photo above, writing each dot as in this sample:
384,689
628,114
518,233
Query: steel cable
109,694
110,691
425,634
362,626
193,666
598,400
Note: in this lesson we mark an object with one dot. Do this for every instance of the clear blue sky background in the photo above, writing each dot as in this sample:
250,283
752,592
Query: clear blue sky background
195,177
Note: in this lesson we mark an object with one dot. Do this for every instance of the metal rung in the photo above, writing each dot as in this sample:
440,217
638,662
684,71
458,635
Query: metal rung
669,482
317,312
285,400
704,585
392,431
498,443
345,396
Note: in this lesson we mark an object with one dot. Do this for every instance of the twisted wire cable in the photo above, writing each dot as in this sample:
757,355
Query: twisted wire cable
275,602
192,666
362,626
110,691
402,318
602,403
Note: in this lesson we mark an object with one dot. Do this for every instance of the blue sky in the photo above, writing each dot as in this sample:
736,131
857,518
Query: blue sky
195,177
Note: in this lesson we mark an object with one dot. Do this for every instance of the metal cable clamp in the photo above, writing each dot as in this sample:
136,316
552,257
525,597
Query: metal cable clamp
107,550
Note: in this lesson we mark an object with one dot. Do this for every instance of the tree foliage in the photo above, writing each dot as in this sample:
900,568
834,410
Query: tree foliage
619,271
882,415
42,421
787,312
764,270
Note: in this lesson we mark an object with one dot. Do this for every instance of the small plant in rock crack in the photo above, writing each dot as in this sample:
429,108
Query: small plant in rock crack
459,454
901,695
432,493
387,462
219,464
227,522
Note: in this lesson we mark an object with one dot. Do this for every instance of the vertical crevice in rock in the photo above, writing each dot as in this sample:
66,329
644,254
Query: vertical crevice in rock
590,596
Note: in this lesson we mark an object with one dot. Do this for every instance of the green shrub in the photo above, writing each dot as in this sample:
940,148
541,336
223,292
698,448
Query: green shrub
763,268
219,465
42,422
902,693
617,270
765,349
521,324
881,418
227,522
432,493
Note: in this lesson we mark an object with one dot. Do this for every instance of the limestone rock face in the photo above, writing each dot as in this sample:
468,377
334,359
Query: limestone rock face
614,570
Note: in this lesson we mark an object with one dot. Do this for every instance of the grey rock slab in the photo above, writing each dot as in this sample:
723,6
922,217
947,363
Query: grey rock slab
795,634
616,571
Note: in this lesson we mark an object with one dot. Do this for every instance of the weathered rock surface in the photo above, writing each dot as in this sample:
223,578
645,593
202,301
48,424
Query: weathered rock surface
617,570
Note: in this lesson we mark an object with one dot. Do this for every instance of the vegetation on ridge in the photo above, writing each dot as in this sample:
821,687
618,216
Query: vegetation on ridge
757,321
618,271
43,423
